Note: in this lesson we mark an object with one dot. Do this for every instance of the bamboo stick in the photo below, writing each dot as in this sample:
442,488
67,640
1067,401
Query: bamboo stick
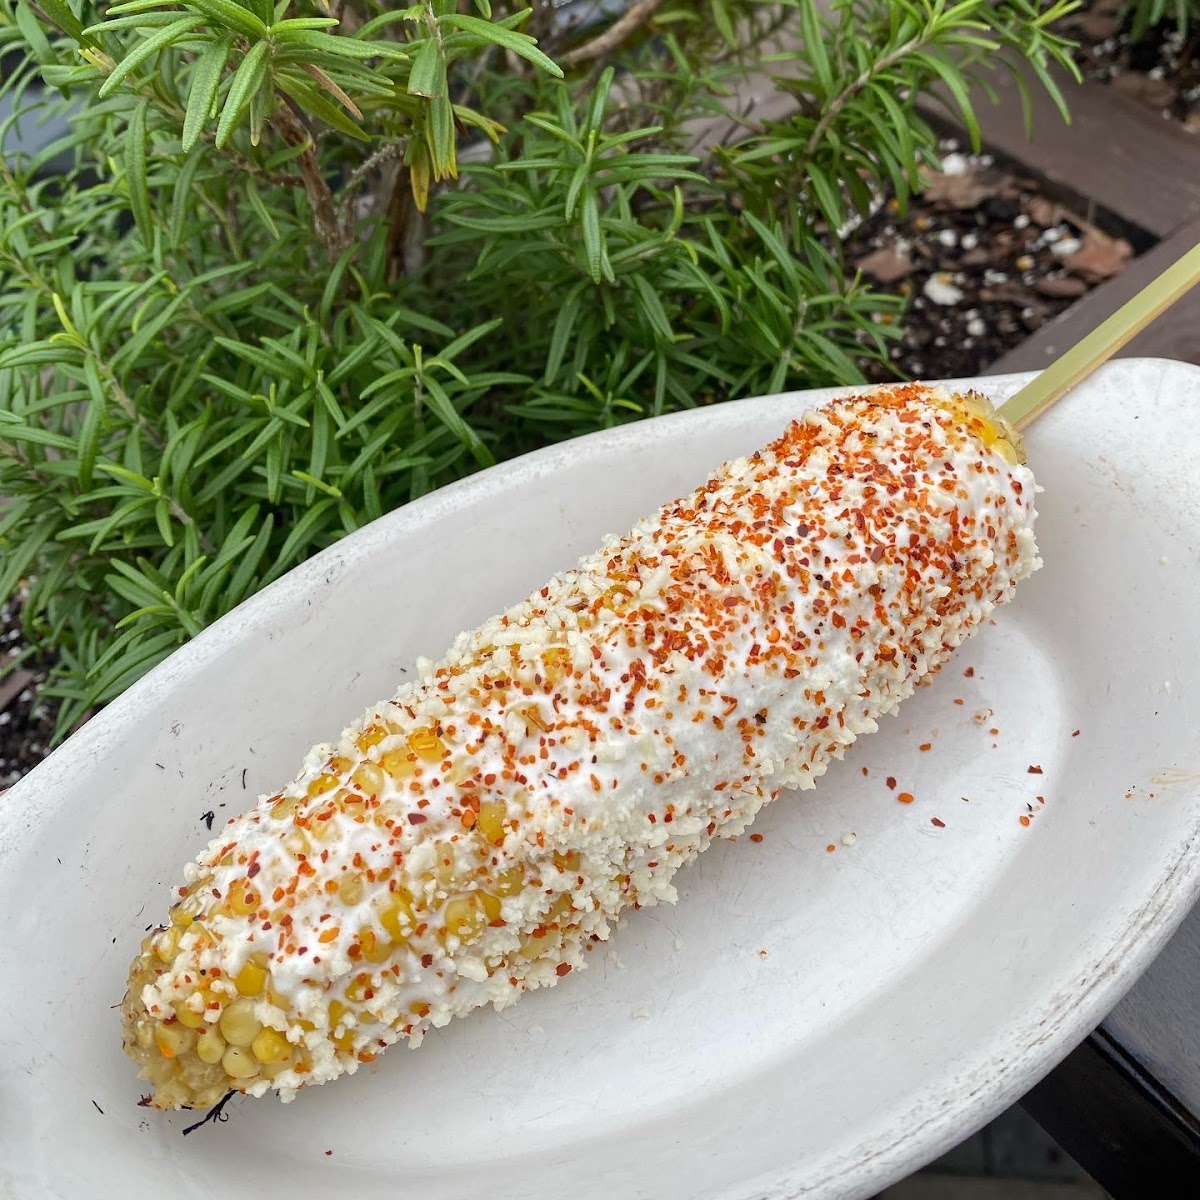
1104,341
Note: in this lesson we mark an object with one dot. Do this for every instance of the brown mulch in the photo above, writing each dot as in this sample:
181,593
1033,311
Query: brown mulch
26,722
1160,70
986,257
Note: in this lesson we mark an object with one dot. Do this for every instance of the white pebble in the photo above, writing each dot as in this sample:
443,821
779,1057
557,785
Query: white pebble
1066,247
1054,233
939,290
969,241
948,238
955,164
1020,221
976,328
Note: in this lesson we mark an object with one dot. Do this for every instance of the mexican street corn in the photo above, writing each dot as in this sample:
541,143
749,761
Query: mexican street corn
468,837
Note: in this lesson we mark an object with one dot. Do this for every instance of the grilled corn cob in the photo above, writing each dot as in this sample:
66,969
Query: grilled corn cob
467,838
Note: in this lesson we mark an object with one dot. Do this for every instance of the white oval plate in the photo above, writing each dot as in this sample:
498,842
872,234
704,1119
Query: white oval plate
803,1022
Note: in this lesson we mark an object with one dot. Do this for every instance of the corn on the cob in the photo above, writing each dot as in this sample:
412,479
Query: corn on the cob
468,837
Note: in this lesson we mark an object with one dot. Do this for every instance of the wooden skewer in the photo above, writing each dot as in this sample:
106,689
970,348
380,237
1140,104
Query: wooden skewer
1104,341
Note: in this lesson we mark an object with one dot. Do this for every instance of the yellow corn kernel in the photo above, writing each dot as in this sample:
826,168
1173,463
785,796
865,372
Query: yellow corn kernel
369,779
568,862
399,764
537,946
349,802
396,916
174,1039
616,597
238,1023
509,882
325,830
285,807
358,988
491,905
427,745
242,898
159,1071
371,736
338,765
556,663
323,783
464,916
204,936
270,1046
345,1043
560,907
490,821
181,917
337,1010
350,890
210,1046
188,1018
446,873
374,948
252,978
239,1063
166,944
297,842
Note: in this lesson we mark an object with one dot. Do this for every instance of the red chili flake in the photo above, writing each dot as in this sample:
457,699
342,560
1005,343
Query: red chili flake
417,818
906,797
1075,734
427,960
938,822
562,969
756,837
865,771
891,782
328,1153
830,848
1034,769
925,746
969,672
253,869
1041,799
1024,819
